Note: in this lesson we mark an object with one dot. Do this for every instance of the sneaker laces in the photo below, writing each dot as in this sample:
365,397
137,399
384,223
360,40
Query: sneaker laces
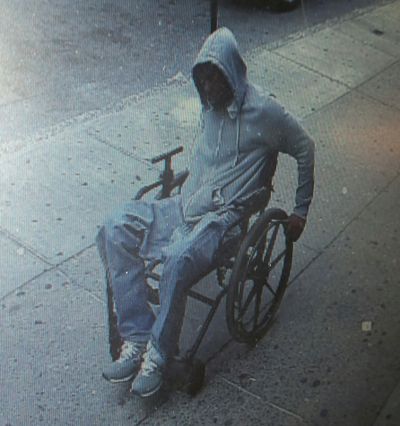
149,366
129,350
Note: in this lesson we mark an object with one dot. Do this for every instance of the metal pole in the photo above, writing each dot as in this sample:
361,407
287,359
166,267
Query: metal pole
214,14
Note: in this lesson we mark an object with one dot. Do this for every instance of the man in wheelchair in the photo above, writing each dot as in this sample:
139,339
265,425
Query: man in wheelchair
243,131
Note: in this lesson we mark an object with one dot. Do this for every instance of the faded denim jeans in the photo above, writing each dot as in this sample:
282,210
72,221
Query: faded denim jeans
156,230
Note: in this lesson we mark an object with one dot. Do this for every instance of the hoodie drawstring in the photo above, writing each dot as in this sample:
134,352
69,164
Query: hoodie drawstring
237,139
221,128
219,142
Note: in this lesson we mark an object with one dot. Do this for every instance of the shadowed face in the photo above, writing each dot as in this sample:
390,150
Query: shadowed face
212,85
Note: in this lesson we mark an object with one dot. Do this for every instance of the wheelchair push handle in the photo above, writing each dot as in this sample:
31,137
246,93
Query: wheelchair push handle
167,175
166,155
168,181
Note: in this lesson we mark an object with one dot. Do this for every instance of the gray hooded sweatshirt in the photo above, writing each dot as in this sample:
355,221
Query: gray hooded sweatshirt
236,151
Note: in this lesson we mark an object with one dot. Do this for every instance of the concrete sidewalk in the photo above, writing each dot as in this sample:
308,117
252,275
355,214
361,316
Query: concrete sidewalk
332,357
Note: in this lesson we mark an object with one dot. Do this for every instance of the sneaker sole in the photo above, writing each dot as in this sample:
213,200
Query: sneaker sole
123,380
149,393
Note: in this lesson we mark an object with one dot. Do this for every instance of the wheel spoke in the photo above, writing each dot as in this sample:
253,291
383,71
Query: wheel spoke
271,244
266,308
250,297
270,288
255,259
276,261
249,271
260,248
240,296
242,283
267,315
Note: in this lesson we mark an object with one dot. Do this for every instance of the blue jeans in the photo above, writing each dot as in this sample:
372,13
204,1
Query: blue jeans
156,230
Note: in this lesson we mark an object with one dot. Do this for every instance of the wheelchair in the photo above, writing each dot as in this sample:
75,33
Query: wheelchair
252,273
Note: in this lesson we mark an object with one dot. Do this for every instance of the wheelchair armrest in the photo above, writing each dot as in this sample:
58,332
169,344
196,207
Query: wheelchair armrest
254,202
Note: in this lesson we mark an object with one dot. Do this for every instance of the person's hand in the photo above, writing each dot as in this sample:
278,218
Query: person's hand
295,227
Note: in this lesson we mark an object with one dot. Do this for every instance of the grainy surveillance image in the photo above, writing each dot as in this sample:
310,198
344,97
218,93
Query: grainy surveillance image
199,212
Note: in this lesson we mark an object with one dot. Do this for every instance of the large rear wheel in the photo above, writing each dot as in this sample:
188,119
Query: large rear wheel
259,277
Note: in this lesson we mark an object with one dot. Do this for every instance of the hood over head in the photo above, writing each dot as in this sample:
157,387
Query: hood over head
221,49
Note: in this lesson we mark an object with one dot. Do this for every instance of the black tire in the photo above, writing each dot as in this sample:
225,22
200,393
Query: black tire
114,338
185,374
283,5
259,277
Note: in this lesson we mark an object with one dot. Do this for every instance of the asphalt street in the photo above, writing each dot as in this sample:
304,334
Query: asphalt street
76,136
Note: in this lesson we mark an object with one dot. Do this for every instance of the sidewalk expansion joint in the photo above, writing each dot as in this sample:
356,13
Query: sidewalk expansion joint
21,286
369,96
384,404
75,255
121,150
258,397
352,89
75,284
308,247
396,60
308,264
25,246
59,269
372,98
314,71
51,267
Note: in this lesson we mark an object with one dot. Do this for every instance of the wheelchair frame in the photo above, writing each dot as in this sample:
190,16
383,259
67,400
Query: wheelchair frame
250,261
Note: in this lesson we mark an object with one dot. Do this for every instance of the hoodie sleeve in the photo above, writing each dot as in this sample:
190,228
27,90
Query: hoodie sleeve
296,142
